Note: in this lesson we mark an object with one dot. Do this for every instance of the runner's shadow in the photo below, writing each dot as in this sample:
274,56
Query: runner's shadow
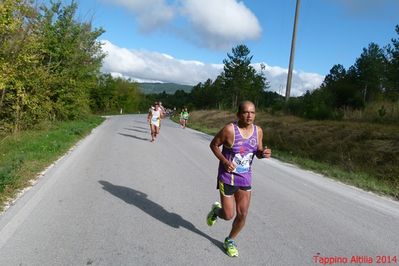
146,128
140,122
137,130
133,136
141,201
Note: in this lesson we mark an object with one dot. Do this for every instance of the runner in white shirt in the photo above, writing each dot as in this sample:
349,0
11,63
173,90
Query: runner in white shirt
154,119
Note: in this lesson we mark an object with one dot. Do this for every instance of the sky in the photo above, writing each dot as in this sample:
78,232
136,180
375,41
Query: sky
186,41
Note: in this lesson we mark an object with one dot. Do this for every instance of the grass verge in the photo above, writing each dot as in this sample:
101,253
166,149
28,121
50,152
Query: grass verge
25,154
361,180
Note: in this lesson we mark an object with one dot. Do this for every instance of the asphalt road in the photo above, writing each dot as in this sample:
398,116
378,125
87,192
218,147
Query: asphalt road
118,199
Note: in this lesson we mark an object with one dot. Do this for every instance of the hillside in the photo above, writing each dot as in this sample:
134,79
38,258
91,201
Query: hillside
169,88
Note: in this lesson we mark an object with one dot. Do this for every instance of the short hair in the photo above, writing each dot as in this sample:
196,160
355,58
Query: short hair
242,104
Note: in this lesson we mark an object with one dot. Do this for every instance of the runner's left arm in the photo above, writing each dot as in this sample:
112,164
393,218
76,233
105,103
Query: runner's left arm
263,152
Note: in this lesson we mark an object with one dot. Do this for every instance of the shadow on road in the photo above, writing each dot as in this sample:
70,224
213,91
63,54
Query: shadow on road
146,128
137,130
141,201
140,122
133,136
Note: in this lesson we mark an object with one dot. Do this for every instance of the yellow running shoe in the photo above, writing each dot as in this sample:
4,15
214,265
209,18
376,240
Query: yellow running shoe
212,215
231,247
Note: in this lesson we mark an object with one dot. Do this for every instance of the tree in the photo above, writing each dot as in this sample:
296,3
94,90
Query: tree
102,95
370,70
218,92
341,89
240,80
48,63
180,99
392,88
337,73
204,95
22,102
127,95
197,94
72,54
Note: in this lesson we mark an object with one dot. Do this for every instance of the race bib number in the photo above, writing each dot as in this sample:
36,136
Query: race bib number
243,163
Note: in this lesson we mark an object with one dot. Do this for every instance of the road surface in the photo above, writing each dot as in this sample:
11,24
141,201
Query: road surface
118,199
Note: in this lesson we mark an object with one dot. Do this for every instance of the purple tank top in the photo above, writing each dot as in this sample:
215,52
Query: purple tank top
241,153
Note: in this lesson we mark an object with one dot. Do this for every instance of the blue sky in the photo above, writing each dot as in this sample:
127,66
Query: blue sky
185,41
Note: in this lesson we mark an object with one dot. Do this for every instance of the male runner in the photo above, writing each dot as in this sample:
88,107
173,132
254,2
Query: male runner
154,119
241,141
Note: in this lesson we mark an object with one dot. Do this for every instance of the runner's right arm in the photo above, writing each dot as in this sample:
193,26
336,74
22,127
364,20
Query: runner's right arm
224,137
149,117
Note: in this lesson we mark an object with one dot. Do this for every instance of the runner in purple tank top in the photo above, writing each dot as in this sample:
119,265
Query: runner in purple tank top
241,142
241,154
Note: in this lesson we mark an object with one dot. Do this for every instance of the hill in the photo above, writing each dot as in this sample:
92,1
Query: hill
169,88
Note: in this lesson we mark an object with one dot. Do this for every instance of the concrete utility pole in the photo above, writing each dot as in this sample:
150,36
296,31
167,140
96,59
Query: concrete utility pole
292,55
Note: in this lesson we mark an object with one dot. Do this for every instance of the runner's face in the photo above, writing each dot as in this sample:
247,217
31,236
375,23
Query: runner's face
247,115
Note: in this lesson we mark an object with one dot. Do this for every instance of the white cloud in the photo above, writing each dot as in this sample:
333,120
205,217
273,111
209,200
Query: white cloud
300,83
214,24
151,66
143,65
222,23
150,14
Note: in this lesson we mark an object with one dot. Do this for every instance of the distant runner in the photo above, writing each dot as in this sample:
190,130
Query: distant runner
181,117
184,117
241,141
154,119
163,113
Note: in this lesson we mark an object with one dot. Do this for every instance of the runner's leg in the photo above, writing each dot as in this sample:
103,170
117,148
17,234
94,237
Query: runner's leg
242,199
156,131
152,132
227,210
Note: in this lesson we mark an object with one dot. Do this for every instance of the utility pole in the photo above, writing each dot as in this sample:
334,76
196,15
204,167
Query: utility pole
289,77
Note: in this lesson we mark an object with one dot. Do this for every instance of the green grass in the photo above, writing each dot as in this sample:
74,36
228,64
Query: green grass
211,131
358,179
362,154
25,154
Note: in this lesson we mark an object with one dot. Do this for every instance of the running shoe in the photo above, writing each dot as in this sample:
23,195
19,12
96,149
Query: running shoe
212,215
231,247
